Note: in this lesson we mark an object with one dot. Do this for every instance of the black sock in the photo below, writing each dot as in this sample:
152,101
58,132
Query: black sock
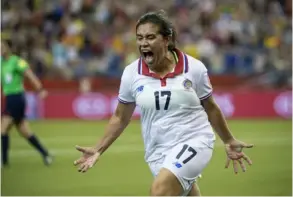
5,147
35,142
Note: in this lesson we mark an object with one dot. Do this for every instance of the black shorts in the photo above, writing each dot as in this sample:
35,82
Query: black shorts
15,105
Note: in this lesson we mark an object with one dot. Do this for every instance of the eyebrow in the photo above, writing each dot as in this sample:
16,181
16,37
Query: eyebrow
150,34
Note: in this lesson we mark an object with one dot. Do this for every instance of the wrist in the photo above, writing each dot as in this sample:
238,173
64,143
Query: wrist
99,151
98,154
229,140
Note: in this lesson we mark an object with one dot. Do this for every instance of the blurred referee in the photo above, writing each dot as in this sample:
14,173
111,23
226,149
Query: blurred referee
13,71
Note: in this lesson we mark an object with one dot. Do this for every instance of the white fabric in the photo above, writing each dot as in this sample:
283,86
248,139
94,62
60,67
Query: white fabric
180,115
188,172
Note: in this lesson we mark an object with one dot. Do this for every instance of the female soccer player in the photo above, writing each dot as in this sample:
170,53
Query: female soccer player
13,71
178,112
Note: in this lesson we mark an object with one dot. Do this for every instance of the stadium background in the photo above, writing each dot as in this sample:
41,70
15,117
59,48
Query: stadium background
79,48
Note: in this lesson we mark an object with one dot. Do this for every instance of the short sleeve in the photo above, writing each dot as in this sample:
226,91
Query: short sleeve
125,92
22,65
204,88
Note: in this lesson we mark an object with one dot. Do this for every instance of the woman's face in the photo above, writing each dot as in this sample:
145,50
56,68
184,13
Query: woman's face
151,44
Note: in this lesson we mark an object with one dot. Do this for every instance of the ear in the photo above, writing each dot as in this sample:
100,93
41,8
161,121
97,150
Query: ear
167,40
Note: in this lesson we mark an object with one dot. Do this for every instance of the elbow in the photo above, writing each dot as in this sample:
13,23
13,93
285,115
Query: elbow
119,120
124,121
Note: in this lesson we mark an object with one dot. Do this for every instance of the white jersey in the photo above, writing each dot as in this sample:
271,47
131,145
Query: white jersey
171,110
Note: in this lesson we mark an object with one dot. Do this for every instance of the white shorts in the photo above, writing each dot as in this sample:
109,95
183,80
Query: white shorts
186,161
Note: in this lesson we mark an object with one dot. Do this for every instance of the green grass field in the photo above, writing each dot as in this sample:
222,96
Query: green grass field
122,170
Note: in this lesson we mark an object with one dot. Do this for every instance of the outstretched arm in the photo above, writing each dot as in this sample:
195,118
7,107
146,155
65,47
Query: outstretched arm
33,79
116,125
233,147
36,83
217,119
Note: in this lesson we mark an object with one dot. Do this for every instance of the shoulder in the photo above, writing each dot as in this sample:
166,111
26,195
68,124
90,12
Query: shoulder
22,63
132,68
195,66
18,59
13,61
14,58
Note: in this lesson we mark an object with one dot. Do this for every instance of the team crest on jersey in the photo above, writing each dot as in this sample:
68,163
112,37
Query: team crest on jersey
187,84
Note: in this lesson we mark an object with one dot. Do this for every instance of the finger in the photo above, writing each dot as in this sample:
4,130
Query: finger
79,161
228,160
86,167
247,145
83,167
242,165
247,159
81,149
235,166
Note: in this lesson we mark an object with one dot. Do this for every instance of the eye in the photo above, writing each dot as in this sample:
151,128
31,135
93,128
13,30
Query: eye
151,37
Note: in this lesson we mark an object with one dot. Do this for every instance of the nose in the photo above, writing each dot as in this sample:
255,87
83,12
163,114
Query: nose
144,43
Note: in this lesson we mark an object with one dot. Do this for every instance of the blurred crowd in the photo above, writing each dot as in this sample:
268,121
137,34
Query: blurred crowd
76,38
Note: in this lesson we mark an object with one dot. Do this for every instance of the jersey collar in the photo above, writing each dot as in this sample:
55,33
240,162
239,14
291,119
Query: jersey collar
181,67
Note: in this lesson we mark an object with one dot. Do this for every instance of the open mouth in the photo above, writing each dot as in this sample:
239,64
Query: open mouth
148,56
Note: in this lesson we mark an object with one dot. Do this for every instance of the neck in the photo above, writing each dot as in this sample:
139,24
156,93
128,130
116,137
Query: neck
166,65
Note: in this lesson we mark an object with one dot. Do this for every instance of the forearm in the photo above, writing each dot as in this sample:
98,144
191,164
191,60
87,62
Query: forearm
36,83
33,80
113,130
219,124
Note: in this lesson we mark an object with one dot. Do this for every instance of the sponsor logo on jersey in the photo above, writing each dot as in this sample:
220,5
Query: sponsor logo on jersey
177,164
187,84
140,89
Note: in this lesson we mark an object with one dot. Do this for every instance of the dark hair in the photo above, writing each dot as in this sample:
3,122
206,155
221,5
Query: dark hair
166,27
